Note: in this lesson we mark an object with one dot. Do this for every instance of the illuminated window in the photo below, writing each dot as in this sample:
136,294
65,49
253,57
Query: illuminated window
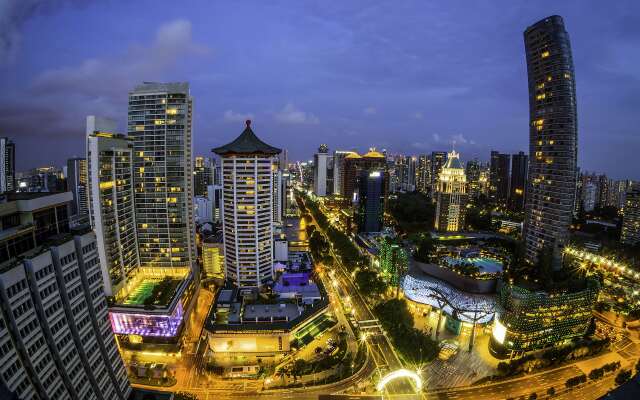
141,153
544,54
551,142
548,78
567,76
139,128
540,86
172,111
159,122
172,200
541,96
145,226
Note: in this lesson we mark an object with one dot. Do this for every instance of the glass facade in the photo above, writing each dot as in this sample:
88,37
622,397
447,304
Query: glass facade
160,118
553,135
528,320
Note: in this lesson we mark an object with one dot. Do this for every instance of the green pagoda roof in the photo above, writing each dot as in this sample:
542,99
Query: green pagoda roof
246,143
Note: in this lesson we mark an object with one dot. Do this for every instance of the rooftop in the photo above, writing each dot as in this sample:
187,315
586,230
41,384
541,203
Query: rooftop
246,143
154,87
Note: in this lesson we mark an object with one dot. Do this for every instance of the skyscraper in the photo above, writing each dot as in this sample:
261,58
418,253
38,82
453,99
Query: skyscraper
320,171
77,185
7,165
631,218
111,207
371,199
438,159
202,175
451,195
499,177
519,166
338,170
160,125
247,179
423,174
55,337
472,170
552,139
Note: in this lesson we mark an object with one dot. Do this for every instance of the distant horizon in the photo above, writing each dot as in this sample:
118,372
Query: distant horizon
412,77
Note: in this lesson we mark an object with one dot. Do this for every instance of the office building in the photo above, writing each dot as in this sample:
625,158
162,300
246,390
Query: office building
77,185
338,170
320,171
631,218
111,194
518,185
247,180
451,195
371,199
499,177
532,320
553,138
202,175
160,124
213,257
472,170
7,165
42,179
423,174
589,197
353,164
438,159
54,332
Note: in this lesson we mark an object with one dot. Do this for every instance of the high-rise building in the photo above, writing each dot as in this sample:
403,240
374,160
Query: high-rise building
631,218
552,138
160,124
518,186
338,170
371,199
423,174
438,159
354,163
451,195
7,165
202,175
111,207
589,196
213,257
320,171
330,176
499,177
472,170
393,261
247,180
54,331
77,185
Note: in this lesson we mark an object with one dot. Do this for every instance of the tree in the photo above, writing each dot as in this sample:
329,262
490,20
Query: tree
551,391
185,396
297,368
370,283
425,249
413,212
623,376
318,350
533,396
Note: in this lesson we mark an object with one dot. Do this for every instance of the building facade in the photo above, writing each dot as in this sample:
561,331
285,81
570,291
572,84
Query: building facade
54,331
203,169
631,218
451,195
111,200
7,165
371,199
527,320
247,180
553,138
320,171
518,186
160,119
499,177
77,185
438,159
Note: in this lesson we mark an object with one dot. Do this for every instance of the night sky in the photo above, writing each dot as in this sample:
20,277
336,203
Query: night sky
408,76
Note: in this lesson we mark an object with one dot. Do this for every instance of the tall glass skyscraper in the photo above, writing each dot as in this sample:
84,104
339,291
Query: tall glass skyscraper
160,125
552,138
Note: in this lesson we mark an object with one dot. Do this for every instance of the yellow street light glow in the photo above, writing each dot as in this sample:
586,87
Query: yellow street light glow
400,373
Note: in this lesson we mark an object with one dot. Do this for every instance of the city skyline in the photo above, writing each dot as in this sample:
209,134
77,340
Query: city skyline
352,83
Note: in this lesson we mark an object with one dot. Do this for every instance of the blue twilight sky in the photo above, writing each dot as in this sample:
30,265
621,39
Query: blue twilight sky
408,76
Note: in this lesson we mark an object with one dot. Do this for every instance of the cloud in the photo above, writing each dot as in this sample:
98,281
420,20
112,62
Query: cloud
370,111
460,139
291,115
15,13
418,115
231,116
112,77
421,145
436,137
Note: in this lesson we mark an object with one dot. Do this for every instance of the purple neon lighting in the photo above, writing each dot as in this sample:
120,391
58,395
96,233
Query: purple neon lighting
147,325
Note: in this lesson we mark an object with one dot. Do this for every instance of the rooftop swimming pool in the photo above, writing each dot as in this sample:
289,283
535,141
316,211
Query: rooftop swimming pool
487,265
